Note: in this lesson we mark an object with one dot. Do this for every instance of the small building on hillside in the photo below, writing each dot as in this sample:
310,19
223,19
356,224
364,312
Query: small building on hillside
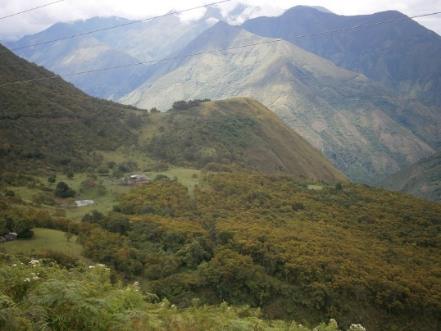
84,203
136,179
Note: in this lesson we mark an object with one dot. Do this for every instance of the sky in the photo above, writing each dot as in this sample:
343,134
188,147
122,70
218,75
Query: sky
68,10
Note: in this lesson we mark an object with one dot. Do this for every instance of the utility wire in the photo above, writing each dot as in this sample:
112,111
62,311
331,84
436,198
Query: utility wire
117,26
151,62
167,59
355,27
31,9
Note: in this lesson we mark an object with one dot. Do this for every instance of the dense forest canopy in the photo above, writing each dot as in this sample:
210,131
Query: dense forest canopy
297,251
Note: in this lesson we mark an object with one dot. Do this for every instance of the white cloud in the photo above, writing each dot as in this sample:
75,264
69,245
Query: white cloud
135,9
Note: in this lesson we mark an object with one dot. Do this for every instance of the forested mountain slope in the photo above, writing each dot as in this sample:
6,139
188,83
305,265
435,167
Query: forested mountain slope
50,123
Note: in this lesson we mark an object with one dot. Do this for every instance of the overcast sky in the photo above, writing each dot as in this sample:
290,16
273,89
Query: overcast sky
12,28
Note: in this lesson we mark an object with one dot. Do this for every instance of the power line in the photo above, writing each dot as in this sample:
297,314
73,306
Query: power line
151,62
355,27
31,9
117,26
167,59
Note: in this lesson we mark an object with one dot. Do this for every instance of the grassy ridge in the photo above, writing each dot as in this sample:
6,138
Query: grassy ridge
236,133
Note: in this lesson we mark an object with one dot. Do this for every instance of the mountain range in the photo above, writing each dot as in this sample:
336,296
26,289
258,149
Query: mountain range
354,121
387,47
366,97
135,41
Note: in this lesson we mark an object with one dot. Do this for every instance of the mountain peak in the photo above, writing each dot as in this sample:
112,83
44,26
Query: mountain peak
307,9
224,27
312,8
322,9
218,36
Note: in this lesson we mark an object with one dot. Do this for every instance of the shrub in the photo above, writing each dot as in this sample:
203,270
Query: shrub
23,228
51,179
64,191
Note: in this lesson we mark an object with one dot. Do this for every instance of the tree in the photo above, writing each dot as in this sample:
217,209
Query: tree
23,228
93,217
64,191
68,235
117,223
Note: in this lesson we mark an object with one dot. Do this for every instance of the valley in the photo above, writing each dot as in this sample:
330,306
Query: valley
250,181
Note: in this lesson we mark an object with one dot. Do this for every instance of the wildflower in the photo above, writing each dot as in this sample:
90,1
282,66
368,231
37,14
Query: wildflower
333,323
357,327
34,262
27,280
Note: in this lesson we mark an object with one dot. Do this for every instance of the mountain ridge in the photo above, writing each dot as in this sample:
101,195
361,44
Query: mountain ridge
393,54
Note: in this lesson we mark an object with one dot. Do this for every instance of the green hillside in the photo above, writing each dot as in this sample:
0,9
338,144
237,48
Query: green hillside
422,179
237,132
49,123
